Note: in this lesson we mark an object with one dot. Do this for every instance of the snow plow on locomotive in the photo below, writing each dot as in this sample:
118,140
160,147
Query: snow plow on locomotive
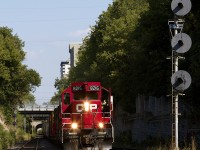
84,117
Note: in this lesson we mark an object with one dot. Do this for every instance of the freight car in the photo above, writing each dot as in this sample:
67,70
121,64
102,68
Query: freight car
84,117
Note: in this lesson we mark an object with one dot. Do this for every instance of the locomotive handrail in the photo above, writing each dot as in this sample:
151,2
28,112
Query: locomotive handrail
82,113
86,113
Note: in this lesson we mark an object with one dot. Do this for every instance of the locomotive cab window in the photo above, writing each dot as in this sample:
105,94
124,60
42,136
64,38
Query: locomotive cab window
66,98
86,96
105,100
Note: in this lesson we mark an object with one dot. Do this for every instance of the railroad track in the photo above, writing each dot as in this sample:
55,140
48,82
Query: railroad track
35,144
32,144
115,148
38,143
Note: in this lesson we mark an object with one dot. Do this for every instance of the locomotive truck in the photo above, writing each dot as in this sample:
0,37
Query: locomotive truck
84,117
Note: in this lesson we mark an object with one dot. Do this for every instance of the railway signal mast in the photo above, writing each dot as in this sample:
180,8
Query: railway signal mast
180,43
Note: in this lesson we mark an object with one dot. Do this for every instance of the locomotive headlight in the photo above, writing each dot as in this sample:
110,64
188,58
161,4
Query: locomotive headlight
74,126
101,125
86,106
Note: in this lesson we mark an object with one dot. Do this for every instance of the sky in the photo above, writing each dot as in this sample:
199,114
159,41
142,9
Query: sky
47,27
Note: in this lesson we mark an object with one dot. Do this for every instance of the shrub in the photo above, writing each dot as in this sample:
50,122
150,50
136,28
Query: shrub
5,138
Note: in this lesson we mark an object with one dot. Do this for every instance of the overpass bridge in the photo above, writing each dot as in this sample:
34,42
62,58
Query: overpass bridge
37,114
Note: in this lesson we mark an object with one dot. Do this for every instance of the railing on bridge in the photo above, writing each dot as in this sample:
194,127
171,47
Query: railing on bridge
37,108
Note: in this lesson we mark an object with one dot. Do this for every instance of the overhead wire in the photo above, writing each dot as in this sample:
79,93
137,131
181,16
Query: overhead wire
45,8
55,20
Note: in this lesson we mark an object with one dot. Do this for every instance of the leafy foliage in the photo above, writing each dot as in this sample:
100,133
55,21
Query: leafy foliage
60,85
55,99
121,52
16,80
6,138
127,49
29,99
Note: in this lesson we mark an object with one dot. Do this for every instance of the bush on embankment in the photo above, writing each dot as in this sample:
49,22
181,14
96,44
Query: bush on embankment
9,137
6,138
9,134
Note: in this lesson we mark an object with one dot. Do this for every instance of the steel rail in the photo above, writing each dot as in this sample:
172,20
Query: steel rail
24,145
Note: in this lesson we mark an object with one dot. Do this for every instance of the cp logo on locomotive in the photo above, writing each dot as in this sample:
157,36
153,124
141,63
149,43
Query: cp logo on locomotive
80,107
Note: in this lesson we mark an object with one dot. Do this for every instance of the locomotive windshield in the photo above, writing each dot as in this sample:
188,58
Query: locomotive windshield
86,96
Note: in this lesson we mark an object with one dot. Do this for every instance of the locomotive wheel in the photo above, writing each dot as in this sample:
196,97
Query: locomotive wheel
71,145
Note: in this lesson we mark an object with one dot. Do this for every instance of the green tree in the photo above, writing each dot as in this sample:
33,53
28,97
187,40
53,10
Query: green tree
127,49
107,53
29,99
192,59
55,99
16,79
60,85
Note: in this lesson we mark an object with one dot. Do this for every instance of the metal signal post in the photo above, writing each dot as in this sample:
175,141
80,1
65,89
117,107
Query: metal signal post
180,43
174,105
174,27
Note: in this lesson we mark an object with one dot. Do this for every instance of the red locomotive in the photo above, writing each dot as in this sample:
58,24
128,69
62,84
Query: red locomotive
84,117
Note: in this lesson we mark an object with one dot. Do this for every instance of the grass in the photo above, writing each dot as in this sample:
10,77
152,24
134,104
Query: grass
192,146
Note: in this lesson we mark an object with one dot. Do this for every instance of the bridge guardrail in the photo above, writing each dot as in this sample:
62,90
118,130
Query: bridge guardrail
37,108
